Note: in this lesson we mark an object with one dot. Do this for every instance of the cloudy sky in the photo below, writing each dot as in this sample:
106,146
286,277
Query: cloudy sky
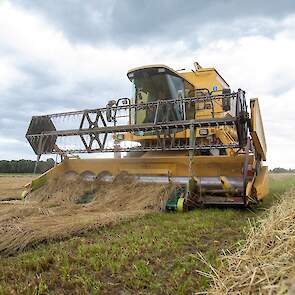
59,55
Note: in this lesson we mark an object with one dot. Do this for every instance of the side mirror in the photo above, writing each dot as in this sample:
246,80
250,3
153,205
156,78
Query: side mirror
111,103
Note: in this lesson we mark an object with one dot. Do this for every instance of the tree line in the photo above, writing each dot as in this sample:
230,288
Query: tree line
282,170
25,166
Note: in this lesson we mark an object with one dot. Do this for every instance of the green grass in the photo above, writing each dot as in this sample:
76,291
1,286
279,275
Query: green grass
278,184
156,254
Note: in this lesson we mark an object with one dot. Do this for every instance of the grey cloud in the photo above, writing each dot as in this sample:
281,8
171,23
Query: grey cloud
132,21
123,23
80,20
44,92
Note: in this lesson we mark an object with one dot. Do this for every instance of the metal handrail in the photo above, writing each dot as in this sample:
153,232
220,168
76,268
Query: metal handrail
43,132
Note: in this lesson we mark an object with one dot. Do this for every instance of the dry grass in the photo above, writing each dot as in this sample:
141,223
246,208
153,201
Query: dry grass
265,263
155,254
66,207
11,186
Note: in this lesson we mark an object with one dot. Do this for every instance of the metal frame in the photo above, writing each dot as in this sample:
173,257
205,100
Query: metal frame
95,125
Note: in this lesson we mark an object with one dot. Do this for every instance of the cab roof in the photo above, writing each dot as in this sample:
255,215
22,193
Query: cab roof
172,71
155,66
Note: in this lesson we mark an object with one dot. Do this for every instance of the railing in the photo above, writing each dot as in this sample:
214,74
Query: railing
96,130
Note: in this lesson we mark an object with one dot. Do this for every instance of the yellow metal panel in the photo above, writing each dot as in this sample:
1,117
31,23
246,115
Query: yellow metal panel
261,183
132,137
258,131
42,179
186,134
173,165
205,78
158,165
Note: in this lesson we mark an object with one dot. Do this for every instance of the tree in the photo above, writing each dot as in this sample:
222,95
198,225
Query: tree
25,166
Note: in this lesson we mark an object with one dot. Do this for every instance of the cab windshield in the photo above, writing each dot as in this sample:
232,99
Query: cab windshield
158,84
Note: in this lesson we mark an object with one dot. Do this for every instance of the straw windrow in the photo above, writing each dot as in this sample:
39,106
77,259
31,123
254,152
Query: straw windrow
66,207
265,263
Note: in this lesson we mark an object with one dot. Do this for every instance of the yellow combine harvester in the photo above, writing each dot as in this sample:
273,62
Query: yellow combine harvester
186,128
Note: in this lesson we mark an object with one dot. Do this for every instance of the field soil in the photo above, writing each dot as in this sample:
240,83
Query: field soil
11,186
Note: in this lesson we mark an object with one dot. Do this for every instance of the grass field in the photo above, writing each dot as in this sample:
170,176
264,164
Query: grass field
155,254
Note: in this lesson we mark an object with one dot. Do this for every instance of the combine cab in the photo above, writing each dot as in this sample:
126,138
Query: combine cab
185,128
